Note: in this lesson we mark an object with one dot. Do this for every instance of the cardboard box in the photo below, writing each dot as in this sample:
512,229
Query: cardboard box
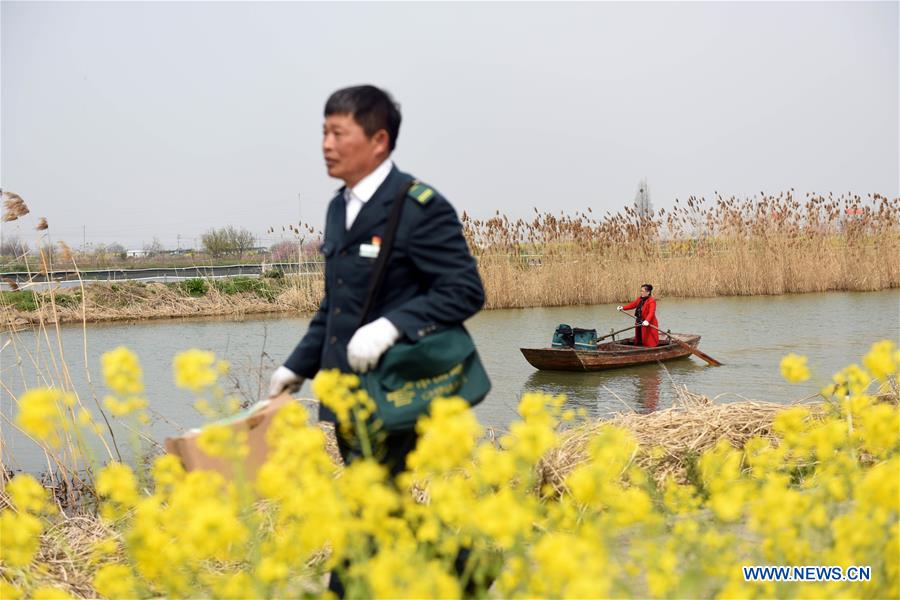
255,421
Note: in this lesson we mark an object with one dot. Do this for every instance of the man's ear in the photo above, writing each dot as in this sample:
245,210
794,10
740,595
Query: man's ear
381,142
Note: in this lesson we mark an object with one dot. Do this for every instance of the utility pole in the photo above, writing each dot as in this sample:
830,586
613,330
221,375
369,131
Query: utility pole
299,225
178,246
83,237
642,204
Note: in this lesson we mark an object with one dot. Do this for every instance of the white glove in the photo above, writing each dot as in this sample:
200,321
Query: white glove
369,343
618,308
645,323
284,380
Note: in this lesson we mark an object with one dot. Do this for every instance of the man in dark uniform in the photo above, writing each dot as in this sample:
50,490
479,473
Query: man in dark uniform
431,281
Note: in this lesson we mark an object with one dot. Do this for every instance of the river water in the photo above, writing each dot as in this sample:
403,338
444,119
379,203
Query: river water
749,334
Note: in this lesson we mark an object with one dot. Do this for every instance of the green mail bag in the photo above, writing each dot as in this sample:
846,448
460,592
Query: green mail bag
411,375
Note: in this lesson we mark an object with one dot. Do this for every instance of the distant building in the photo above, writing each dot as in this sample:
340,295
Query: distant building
642,204
135,253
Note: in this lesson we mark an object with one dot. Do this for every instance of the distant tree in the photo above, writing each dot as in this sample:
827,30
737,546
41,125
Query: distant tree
227,240
103,255
241,240
285,251
116,249
154,247
13,247
312,248
215,242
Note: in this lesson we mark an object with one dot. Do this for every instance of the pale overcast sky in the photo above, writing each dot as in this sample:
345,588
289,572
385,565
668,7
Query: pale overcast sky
137,120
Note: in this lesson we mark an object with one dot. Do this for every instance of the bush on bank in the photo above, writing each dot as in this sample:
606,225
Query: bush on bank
823,491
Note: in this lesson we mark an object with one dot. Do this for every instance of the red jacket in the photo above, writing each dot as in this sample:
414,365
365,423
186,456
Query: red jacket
645,336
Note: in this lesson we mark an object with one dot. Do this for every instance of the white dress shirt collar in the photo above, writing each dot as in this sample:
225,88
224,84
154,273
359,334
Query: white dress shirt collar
365,189
357,196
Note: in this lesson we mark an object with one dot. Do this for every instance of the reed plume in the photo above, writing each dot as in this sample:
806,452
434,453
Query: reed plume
13,207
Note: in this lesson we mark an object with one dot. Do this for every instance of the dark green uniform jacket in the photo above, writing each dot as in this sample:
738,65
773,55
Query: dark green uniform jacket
431,281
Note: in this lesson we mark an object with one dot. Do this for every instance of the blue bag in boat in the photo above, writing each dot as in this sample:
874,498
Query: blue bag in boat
585,339
563,337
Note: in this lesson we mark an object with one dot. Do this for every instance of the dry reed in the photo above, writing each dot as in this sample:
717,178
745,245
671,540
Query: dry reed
670,440
728,247
13,207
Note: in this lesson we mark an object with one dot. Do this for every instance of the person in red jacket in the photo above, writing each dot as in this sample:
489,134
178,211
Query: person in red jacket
645,315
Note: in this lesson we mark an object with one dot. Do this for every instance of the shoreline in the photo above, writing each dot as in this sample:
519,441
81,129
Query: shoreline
244,305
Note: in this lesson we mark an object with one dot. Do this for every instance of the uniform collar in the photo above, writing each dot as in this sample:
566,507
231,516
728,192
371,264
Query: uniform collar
368,185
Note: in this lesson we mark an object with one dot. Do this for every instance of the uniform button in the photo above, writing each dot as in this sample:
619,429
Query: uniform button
334,339
340,281
337,311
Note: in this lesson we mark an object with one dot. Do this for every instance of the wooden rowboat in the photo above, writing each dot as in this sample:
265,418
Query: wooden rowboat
608,355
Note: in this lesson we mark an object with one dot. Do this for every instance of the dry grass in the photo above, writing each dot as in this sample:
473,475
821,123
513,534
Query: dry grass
591,279
66,553
134,300
669,441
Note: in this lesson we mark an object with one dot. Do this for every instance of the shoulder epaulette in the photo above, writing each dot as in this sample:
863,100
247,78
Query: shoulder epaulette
421,193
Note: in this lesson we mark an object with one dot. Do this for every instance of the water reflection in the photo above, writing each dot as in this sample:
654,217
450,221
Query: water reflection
648,391
602,393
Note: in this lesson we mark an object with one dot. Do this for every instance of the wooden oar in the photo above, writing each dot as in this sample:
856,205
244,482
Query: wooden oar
603,337
684,345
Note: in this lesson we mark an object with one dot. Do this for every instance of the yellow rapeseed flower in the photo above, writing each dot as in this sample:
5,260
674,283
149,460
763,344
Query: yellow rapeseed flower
8,591
116,482
820,487
223,441
447,437
121,408
122,372
196,370
233,586
883,359
213,530
21,537
794,369
338,391
167,470
46,592
569,566
852,380
41,414
27,494
115,581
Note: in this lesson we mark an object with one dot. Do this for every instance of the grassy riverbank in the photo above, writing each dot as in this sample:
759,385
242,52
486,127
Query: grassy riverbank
725,247
133,300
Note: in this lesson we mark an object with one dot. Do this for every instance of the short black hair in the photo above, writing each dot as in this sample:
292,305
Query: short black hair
649,287
371,107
